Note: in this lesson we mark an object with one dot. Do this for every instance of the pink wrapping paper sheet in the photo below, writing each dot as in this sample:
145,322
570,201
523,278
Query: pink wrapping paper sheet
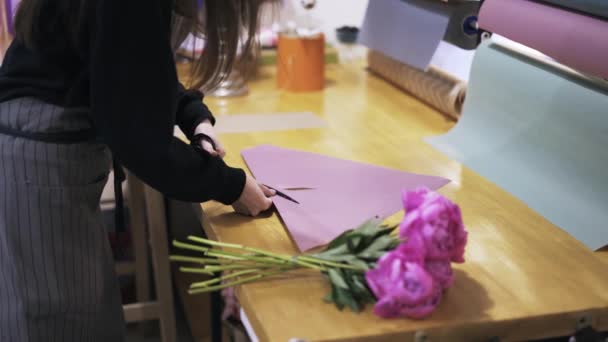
573,39
339,194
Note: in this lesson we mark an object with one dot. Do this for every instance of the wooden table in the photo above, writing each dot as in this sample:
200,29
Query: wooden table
524,277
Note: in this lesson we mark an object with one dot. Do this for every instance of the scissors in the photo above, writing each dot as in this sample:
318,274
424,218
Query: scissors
196,143
282,194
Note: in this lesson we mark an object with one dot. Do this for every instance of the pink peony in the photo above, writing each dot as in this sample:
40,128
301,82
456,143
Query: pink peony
409,281
441,271
426,307
413,249
414,199
388,307
398,283
439,222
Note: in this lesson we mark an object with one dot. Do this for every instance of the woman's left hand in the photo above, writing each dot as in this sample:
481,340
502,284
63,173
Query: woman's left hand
207,128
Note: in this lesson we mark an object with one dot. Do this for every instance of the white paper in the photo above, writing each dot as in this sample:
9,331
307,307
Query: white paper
248,327
453,60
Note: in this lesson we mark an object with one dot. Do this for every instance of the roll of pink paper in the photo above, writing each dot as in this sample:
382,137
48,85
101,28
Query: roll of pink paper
576,40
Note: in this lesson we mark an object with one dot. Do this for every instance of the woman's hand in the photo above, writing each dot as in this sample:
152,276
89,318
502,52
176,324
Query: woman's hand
254,199
207,128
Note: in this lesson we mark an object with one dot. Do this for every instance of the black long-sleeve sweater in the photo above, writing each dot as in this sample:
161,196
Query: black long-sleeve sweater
122,68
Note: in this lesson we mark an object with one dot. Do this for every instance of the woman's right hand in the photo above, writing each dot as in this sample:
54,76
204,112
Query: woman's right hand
254,198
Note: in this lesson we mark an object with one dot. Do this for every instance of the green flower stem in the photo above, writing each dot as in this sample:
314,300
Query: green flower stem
251,279
218,265
183,245
221,253
314,262
220,279
321,261
196,260
235,267
243,257
286,258
195,270
239,247
225,254
214,243
229,276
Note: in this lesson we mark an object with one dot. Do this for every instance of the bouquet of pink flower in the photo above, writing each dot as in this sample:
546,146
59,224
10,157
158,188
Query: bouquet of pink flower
404,274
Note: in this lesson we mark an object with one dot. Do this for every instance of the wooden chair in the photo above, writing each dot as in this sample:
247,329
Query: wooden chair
147,210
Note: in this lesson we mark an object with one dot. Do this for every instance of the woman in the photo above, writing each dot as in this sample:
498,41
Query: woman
83,79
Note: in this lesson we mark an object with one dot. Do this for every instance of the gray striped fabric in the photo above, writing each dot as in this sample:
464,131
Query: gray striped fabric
57,280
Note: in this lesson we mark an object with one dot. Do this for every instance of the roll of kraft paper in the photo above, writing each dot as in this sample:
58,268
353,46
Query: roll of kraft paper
574,39
539,132
435,87
598,8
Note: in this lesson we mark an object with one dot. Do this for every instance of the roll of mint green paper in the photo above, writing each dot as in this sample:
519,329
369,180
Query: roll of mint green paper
541,134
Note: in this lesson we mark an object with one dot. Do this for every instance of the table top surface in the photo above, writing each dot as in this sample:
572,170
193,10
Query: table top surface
524,277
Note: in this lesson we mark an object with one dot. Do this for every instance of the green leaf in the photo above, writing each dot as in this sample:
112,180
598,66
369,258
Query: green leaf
385,231
353,240
371,256
350,280
342,297
345,298
380,244
358,292
362,291
337,250
393,245
353,243
391,228
357,284
369,227
337,258
340,240
354,306
333,295
359,263
336,278
379,232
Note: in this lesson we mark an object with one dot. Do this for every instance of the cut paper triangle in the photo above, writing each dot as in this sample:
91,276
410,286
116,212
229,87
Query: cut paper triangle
335,195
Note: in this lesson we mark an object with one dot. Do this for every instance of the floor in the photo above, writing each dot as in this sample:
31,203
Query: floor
149,331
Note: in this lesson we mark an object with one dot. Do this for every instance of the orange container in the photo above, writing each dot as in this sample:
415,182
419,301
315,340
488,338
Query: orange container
301,63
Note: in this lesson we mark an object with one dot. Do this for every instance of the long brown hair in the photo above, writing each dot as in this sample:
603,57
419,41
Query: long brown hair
228,26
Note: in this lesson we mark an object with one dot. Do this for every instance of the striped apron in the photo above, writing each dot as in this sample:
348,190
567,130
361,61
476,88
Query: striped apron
57,279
